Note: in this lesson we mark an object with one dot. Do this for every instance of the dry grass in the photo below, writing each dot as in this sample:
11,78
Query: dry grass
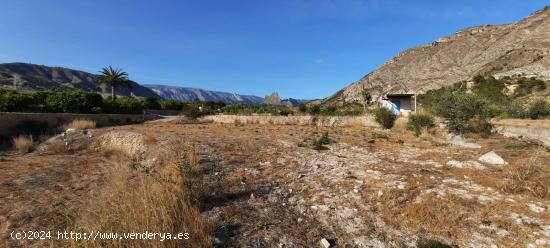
57,147
527,175
81,124
134,201
23,144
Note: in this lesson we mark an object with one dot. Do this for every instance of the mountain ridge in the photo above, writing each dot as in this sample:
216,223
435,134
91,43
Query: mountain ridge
33,76
191,93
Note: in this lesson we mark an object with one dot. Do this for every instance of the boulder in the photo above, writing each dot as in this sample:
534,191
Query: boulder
492,158
325,243
465,164
457,140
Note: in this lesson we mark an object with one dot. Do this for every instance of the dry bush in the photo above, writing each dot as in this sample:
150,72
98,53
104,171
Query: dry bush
527,175
238,123
81,124
133,201
22,144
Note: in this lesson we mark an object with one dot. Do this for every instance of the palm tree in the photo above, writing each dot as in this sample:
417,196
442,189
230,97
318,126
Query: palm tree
114,78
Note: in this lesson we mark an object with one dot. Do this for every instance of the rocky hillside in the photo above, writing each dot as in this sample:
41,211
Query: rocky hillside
188,94
522,48
31,77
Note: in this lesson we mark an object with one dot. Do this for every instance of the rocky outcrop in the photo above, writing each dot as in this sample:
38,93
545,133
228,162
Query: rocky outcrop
499,50
272,99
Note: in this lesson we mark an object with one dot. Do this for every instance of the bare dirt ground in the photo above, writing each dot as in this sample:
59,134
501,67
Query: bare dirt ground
266,187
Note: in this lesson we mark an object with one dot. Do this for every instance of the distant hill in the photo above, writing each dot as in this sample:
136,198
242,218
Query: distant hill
189,94
519,49
32,77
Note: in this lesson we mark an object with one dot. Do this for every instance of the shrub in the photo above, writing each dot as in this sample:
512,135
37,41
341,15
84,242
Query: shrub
81,124
490,89
130,105
151,103
77,101
302,108
284,112
459,107
22,144
539,109
417,122
330,110
191,111
315,110
12,101
319,142
171,104
478,125
384,117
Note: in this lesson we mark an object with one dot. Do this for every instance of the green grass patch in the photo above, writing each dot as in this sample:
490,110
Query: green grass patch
513,146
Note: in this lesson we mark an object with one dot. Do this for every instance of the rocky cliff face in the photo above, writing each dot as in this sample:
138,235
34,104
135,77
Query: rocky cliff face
274,99
32,77
522,48
189,94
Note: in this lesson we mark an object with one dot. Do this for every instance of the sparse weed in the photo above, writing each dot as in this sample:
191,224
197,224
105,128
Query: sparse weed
400,141
486,222
2,157
429,243
512,146
376,135
81,124
23,143
319,142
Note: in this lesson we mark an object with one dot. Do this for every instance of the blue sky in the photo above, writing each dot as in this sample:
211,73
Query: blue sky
301,49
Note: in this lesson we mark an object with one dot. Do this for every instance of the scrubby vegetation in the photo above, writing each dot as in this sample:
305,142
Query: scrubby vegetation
246,109
539,109
468,109
420,121
385,117
78,101
348,109
319,142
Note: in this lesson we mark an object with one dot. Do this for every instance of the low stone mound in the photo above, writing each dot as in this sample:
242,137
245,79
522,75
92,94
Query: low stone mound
130,143
69,141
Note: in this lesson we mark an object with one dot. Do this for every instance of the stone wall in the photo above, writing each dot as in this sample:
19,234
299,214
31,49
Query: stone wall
326,121
12,124
536,131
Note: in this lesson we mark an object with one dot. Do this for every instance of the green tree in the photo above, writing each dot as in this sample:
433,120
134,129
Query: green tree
367,98
114,78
